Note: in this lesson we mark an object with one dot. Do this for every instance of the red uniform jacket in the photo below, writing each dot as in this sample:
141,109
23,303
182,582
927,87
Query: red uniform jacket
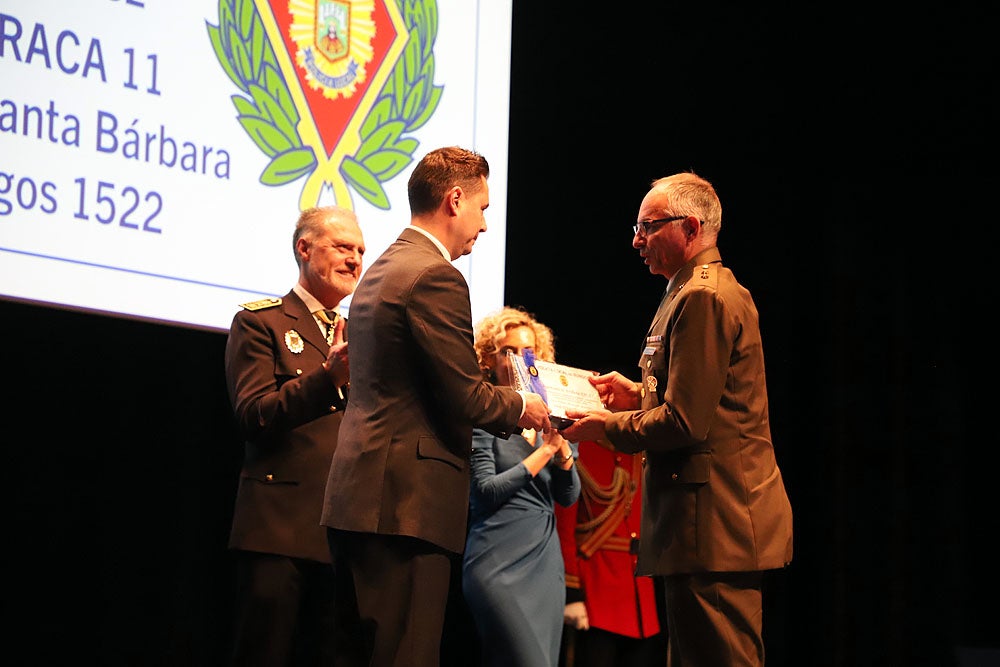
599,537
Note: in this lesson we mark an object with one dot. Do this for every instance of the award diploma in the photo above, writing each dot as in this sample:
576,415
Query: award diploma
562,387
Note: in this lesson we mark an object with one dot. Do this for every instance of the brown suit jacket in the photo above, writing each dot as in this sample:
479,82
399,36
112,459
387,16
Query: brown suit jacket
713,496
402,463
289,412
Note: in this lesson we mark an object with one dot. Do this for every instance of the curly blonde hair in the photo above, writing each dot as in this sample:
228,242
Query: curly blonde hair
492,329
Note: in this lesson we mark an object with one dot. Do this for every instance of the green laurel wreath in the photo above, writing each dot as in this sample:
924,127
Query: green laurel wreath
266,111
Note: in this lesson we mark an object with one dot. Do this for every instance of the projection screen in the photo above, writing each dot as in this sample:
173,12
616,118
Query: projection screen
155,155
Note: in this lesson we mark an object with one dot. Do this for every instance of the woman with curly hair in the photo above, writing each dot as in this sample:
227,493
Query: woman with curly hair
513,575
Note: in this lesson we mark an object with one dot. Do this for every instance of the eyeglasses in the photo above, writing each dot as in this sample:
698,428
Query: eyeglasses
643,228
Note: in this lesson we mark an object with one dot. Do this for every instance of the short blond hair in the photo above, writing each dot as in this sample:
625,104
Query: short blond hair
492,329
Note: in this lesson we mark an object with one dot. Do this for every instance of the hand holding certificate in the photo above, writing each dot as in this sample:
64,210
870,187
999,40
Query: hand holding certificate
562,387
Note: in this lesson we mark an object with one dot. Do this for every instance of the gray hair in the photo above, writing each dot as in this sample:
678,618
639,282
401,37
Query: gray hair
690,194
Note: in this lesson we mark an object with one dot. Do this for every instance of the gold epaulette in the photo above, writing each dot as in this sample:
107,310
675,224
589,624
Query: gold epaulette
261,304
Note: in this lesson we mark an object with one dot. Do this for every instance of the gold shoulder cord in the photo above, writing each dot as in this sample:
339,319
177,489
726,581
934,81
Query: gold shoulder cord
596,532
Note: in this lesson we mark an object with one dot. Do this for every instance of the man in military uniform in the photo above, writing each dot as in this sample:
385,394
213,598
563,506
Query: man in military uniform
715,514
286,372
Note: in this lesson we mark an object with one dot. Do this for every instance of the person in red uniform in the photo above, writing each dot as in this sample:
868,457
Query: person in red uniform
611,614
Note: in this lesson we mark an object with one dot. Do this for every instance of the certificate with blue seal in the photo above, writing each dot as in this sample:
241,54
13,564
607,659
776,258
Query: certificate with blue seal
561,387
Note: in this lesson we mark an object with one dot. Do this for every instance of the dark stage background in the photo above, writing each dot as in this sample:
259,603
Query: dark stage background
849,146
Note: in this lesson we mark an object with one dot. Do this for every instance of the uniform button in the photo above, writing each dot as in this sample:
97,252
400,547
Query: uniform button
642,393
269,477
673,476
649,362
634,535
333,408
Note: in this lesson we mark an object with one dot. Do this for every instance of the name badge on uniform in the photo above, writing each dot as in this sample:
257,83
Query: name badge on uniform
652,343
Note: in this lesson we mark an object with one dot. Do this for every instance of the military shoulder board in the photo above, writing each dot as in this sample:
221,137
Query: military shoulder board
261,304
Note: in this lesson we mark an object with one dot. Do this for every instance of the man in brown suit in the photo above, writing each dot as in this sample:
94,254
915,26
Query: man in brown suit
397,497
286,367
715,515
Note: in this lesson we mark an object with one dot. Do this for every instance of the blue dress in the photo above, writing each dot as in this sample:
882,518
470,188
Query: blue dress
513,575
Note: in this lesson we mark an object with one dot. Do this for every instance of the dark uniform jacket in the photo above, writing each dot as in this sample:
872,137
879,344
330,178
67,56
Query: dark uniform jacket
714,499
289,412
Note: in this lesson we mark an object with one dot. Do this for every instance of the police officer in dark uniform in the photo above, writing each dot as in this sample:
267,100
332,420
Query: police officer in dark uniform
286,372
